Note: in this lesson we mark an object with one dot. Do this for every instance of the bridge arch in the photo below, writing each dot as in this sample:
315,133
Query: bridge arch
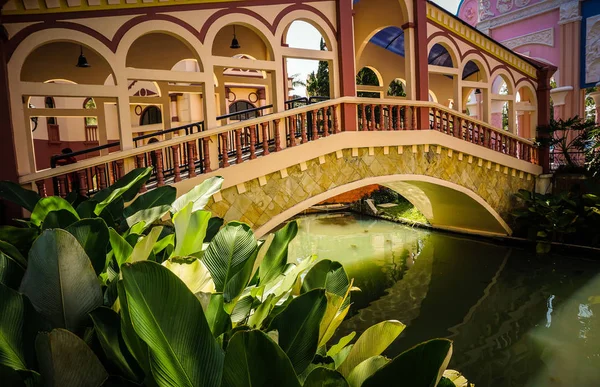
445,204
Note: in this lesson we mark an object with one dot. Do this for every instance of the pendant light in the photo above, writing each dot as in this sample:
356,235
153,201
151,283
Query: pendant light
82,61
234,42
478,90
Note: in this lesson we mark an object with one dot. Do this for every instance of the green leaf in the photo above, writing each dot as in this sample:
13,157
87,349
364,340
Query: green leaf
147,216
19,195
12,313
325,377
190,229
199,195
422,365
240,309
13,253
445,382
262,311
59,219
107,325
276,253
11,271
214,225
46,205
66,360
341,356
136,346
192,272
253,359
236,285
143,248
228,252
298,327
364,370
125,188
218,320
334,315
93,236
329,275
21,238
158,197
60,280
121,248
372,342
169,318
335,349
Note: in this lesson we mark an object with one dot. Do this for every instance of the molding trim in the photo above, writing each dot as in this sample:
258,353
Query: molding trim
592,51
519,14
543,37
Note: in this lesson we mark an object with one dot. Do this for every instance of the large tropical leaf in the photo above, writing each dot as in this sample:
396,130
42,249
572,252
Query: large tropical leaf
228,252
60,280
364,370
372,342
262,311
147,216
161,196
107,325
20,238
333,317
329,275
93,236
12,313
66,360
19,195
253,359
11,271
46,205
121,248
214,225
59,219
136,346
143,248
192,272
422,365
125,188
13,253
169,318
335,349
298,327
190,229
236,285
325,377
218,320
276,255
199,195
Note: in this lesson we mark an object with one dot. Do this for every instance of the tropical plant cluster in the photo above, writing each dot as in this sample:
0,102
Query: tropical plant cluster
94,292
564,218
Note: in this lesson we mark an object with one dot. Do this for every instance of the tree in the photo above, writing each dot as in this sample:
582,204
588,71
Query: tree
367,77
317,84
396,89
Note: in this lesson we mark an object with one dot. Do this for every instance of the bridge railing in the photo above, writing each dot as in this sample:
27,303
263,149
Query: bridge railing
186,157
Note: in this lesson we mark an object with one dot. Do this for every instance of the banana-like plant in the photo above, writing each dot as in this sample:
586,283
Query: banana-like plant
94,292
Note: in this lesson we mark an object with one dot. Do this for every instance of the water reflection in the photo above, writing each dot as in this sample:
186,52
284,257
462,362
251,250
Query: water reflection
516,320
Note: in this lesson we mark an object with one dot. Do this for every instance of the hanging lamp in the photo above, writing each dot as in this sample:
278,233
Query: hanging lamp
82,60
234,42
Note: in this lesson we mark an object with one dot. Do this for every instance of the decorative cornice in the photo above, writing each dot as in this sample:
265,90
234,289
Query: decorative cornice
479,40
544,37
569,12
519,14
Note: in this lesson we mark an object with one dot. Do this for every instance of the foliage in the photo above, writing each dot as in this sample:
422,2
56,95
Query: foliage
403,211
157,293
396,89
566,218
317,84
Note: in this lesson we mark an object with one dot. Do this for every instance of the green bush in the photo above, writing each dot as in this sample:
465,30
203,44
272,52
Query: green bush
157,292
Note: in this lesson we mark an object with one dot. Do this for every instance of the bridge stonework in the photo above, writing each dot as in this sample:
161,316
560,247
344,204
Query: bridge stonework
258,201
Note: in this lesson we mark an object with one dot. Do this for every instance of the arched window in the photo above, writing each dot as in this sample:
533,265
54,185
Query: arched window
151,115
89,103
49,104
240,106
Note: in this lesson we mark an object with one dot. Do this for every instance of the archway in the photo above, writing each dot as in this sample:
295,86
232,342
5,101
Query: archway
443,75
159,51
503,99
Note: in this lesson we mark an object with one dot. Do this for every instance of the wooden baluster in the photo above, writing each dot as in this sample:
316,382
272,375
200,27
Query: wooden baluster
364,124
62,185
191,164
398,121
315,129
372,121
121,168
83,187
277,136
176,168
325,122
390,119
205,154
381,121
101,172
41,187
303,128
224,154
414,117
238,146
336,127
292,131
160,173
265,139
434,118
252,142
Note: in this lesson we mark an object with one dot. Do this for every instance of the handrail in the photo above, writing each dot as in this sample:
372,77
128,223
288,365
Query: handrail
212,132
256,109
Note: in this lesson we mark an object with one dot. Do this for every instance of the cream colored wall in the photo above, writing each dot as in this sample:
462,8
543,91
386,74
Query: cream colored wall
389,65
442,87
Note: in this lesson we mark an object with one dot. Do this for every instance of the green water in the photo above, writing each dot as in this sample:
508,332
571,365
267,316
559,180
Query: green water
515,319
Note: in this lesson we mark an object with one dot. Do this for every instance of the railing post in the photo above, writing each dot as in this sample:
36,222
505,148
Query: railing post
62,185
252,142
82,177
381,121
291,131
176,168
390,119
303,128
160,177
372,123
101,169
363,118
277,136
265,137
325,122
191,145
41,187
315,129
336,127
415,111
224,154
398,122
238,146
206,155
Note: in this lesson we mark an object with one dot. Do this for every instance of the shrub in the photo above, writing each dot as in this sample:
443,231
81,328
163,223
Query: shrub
157,292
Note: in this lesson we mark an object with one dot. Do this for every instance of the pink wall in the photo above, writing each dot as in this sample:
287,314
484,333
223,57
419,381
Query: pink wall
467,7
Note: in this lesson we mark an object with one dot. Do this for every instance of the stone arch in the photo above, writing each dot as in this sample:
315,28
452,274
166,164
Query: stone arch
478,60
506,77
311,18
448,45
428,194
245,22
182,35
159,50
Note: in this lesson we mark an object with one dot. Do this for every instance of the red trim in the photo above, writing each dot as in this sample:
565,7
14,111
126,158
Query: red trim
407,25
229,11
346,60
305,7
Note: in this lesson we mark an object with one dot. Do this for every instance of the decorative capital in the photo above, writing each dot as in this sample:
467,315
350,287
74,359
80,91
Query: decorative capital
569,12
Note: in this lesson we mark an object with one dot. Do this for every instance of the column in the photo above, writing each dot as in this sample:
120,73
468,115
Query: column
346,62
543,98
421,61
123,114
559,99
569,35
174,111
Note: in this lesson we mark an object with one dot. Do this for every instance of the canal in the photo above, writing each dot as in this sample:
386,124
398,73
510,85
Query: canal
516,319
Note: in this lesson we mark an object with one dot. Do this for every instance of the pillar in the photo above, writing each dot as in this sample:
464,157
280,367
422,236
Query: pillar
543,98
8,150
174,111
123,113
346,62
421,61
570,38
559,99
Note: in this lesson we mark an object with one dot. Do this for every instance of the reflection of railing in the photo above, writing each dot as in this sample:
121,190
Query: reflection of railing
187,156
